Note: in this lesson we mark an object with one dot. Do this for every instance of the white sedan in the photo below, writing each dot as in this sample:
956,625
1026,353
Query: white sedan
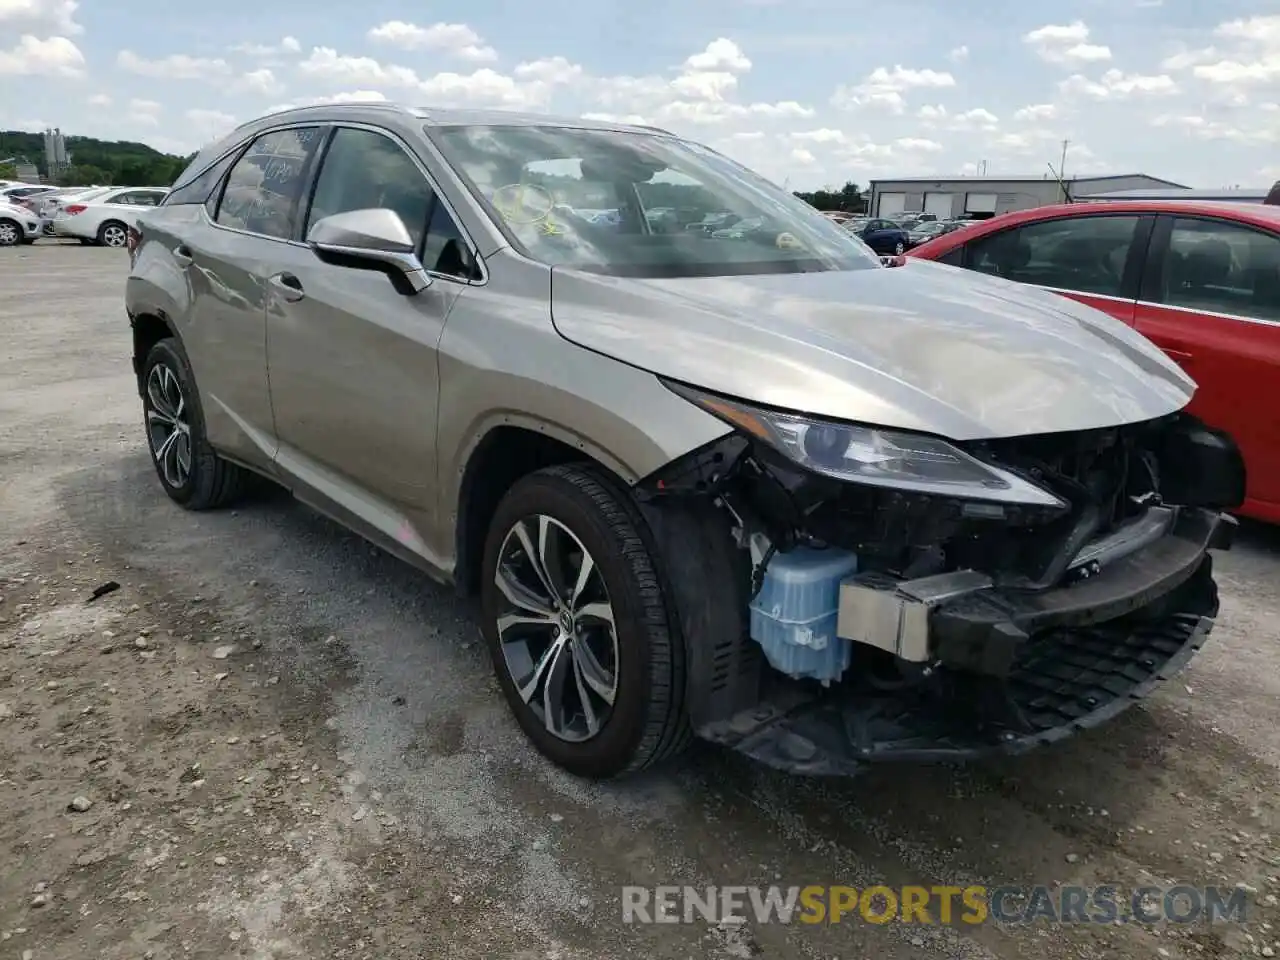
17,225
105,220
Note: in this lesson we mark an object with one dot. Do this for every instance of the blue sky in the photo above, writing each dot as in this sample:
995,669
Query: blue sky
811,92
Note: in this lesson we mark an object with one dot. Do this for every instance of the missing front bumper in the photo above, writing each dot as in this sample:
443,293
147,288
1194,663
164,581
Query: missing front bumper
1071,669
962,620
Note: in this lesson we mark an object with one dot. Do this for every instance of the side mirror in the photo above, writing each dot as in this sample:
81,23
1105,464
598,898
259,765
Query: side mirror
372,239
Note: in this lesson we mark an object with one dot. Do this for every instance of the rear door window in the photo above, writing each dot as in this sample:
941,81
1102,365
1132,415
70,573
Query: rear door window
1215,266
265,186
1081,254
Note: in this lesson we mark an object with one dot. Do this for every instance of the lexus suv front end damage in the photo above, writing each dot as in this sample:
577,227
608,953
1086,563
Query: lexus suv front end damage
914,599
747,484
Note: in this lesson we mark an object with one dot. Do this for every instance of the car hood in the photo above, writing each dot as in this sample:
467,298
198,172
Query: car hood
928,347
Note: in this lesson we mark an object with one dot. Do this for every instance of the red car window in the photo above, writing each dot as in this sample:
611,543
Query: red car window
1085,254
1221,267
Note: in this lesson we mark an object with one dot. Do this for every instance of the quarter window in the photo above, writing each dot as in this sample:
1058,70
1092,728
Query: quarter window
1084,254
362,170
1221,267
139,198
202,188
265,185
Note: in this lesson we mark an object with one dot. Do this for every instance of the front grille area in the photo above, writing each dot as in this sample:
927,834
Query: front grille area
1063,682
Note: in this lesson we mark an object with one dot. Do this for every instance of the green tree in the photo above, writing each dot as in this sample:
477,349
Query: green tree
8,171
848,198
83,175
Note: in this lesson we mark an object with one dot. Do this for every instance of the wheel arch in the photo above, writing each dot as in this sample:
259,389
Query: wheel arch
504,448
149,328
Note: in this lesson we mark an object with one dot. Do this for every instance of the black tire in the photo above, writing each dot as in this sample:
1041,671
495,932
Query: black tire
11,235
87,243
109,231
211,481
648,723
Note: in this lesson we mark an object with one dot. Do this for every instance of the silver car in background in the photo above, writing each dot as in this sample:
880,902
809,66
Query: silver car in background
748,485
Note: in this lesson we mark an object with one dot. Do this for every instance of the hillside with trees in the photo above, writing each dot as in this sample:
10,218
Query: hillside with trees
94,161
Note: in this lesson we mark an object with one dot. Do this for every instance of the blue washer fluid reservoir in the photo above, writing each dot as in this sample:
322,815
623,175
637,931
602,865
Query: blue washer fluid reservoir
793,617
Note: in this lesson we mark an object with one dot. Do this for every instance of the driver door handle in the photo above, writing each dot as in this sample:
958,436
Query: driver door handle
288,287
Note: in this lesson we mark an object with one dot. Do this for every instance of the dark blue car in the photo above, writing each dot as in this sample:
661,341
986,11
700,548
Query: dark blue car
884,236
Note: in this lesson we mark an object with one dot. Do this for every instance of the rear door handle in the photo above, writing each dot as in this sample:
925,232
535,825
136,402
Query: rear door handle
288,287
182,256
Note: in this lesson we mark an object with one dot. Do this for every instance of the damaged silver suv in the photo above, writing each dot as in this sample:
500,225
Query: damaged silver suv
710,468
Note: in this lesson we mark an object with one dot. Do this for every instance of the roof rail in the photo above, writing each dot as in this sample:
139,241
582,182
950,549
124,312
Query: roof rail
375,104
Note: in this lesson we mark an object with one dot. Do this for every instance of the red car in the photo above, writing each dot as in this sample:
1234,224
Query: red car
1201,280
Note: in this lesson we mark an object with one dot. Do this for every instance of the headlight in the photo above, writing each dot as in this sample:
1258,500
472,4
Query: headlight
870,455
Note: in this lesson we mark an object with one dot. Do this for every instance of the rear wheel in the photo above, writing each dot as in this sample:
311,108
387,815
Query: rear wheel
113,233
10,233
899,248
578,627
191,473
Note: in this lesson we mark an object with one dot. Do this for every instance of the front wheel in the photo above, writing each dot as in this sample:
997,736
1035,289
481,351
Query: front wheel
899,248
192,474
578,628
10,233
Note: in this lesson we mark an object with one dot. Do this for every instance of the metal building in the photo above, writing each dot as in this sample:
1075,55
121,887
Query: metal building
981,197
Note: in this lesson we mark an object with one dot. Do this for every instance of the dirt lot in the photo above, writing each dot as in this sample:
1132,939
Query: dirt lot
289,745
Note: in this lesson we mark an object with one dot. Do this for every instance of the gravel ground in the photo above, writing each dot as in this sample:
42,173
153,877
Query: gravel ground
275,742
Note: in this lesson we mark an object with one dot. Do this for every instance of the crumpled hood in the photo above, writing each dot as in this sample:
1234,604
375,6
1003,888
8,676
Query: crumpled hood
922,347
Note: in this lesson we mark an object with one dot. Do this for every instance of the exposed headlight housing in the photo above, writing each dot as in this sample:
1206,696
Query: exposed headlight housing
874,456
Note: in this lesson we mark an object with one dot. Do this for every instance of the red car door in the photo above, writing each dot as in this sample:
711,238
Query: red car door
1210,298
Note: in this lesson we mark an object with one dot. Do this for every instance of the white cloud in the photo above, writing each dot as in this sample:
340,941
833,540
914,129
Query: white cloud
100,100
1243,62
177,66
884,87
267,50
553,70
261,81
802,156
1204,128
57,15
455,38
144,112
1036,112
958,54
1066,44
719,55
54,57
976,119
325,64
1117,85
708,85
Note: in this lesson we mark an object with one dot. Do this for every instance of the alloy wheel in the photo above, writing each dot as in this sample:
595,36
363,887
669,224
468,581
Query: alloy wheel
168,429
899,247
9,234
115,236
556,629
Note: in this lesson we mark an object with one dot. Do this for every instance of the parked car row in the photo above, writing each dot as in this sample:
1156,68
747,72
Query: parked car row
100,215
1201,280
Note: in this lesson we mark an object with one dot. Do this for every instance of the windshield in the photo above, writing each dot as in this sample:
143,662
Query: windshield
641,205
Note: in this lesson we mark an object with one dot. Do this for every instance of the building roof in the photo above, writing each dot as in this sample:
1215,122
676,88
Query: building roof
1038,178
